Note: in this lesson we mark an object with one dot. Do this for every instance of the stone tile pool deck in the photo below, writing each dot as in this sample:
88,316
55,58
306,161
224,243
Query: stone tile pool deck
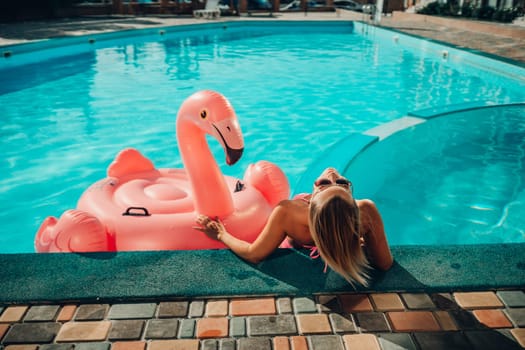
42,308
458,320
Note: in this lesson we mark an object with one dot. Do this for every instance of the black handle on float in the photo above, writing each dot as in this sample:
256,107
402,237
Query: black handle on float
129,212
239,186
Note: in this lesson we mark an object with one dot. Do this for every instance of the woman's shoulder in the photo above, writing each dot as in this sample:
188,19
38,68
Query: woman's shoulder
366,204
304,197
290,204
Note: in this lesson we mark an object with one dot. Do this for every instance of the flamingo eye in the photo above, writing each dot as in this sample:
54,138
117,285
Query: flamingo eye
204,114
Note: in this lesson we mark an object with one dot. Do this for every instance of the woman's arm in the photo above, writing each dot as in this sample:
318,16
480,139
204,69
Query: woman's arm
374,234
272,235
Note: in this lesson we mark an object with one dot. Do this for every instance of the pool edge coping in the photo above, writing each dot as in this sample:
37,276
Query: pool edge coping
172,275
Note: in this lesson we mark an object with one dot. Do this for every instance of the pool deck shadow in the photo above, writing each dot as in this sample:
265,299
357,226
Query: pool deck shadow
95,277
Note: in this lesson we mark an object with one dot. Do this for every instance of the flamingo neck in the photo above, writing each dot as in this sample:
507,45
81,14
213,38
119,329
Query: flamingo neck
210,191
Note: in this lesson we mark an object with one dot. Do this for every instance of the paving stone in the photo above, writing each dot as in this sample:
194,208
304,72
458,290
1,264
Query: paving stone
355,303
477,300
413,321
325,342
227,344
161,328
372,322
492,318
187,328
488,340
27,333
173,309
517,316
445,320
83,331
519,335
298,342
20,347
417,301
304,305
209,344
271,325
442,341
212,327
329,304
92,346
313,324
178,344
342,323
217,308
258,343
284,305
237,327
506,332
3,329
196,308
252,307
465,320
128,345
444,301
126,329
387,302
396,341
66,313
512,298
361,342
13,314
41,313
132,311
91,312
280,343
56,347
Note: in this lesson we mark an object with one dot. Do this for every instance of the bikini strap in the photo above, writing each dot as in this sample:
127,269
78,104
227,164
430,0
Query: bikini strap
314,254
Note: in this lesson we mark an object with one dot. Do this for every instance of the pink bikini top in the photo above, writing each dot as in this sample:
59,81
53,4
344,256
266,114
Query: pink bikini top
314,252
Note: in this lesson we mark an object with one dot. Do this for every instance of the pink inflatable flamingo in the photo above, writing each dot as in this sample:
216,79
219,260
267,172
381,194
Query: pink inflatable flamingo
139,207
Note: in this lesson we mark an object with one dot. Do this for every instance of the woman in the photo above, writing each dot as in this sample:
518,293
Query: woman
348,233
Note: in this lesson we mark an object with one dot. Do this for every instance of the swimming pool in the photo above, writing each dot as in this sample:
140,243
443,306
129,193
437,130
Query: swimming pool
296,93
453,175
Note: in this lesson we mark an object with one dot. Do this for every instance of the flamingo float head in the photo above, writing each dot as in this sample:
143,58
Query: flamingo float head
212,113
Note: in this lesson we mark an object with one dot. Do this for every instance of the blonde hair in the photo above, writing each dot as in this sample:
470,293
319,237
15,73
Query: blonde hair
335,227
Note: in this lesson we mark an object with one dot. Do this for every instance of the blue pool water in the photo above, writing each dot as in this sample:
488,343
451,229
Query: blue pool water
297,88
458,177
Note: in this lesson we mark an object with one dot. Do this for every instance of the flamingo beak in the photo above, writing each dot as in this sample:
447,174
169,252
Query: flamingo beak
230,139
233,155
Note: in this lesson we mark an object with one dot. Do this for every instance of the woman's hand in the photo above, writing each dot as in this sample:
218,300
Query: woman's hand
213,228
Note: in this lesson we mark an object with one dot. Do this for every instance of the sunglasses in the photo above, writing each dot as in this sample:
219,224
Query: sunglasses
339,182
